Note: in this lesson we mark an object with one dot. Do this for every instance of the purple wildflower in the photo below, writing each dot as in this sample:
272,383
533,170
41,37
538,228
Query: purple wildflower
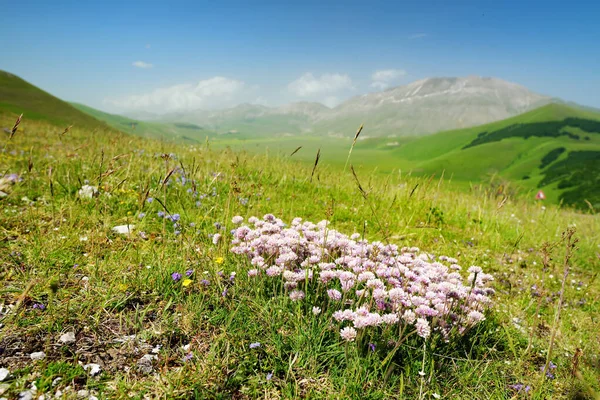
150,199
176,276
39,306
189,272
254,345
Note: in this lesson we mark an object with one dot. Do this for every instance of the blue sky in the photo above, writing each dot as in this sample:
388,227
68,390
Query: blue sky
159,56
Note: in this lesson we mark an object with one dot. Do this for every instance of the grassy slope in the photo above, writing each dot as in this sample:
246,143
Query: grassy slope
513,159
59,251
18,96
154,130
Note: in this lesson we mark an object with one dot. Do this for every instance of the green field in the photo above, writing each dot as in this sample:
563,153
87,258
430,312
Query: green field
168,310
513,159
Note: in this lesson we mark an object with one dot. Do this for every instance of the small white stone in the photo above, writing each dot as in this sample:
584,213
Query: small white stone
144,364
83,393
26,395
67,338
56,381
123,229
94,369
4,373
38,355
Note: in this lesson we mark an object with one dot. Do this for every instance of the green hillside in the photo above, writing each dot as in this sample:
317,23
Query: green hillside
20,97
183,132
555,148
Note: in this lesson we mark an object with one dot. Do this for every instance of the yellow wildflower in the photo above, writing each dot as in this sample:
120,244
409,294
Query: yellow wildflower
186,282
219,260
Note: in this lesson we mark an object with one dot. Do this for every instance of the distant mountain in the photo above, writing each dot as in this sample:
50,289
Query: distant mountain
20,97
431,105
422,107
294,118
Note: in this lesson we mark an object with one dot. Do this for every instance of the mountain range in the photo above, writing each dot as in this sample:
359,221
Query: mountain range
422,107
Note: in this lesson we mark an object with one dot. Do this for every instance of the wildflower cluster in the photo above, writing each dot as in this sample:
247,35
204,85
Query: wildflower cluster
364,284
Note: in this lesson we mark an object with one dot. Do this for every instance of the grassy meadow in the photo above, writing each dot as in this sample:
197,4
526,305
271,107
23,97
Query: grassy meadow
167,311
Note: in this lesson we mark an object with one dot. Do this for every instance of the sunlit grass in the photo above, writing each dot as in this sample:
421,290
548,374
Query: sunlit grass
58,250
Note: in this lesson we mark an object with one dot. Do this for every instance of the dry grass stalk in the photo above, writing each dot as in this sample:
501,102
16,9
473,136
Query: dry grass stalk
15,126
295,151
316,163
353,144
67,129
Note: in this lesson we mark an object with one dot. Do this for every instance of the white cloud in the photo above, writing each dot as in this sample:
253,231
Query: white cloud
209,93
382,79
380,85
141,64
309,85
417,36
